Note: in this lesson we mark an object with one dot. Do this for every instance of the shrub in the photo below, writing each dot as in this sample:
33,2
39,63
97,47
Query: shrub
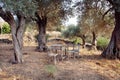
51,70
102,43
71,31
6,28
77,41
58,29
65,33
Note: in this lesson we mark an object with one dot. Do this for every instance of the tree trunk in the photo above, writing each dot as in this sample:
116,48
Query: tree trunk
94,42
113,49
83,40
17,49
17,33
0,30
42,22
20,29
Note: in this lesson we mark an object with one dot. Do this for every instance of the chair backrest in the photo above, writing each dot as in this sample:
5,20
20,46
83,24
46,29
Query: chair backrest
73,47
57,49
49,49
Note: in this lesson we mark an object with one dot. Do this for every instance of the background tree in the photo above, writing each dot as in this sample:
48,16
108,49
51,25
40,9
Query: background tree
91,19
49,11
15,13
74,32
113,49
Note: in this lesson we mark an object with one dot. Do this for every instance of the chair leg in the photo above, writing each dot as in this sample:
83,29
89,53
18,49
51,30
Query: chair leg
69,56
55,60
73,55
61,57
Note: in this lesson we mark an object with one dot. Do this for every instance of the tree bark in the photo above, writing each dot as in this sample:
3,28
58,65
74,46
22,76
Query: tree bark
83,40
94,42
17,32
113,49
42,22
21,28
0,30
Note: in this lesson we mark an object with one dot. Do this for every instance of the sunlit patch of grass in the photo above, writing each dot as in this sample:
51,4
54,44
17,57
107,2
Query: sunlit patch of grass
51,70
118,65
5,76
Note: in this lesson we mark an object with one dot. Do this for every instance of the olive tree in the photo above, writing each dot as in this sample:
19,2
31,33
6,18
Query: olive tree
15,13
113,49
48,12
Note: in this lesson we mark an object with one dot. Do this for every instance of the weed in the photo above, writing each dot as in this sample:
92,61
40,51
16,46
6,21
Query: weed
51,70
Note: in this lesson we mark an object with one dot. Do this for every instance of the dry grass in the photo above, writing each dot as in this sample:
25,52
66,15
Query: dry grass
91,66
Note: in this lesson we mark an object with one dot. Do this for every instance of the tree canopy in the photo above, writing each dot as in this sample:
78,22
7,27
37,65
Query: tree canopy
28,7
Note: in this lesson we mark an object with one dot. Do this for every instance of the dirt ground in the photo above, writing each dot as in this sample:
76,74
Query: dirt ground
90,66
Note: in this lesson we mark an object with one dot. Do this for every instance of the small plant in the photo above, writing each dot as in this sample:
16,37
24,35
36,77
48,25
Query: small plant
51,70
118,65
102,43
6,28
77,41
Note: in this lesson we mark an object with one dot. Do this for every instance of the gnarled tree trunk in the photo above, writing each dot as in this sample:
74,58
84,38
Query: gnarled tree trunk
83,40
42,22
94,42
20,28
17,32
113,49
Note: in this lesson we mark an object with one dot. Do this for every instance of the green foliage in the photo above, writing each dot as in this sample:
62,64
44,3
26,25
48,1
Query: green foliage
58,29
47,37
36,37
77,41
6,28
102,43
71,31
118,65
51,70
28,7
65,33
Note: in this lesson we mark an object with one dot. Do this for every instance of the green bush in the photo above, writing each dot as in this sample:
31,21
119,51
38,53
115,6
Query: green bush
71,31
58,29
6,28
65,33
102,43
77,41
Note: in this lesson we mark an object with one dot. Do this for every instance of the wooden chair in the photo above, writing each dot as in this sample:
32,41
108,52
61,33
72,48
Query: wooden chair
51,55
73,50
55,54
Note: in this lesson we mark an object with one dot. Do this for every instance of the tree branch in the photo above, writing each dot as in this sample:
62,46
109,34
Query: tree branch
111,2
6,15
34,19
106,12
